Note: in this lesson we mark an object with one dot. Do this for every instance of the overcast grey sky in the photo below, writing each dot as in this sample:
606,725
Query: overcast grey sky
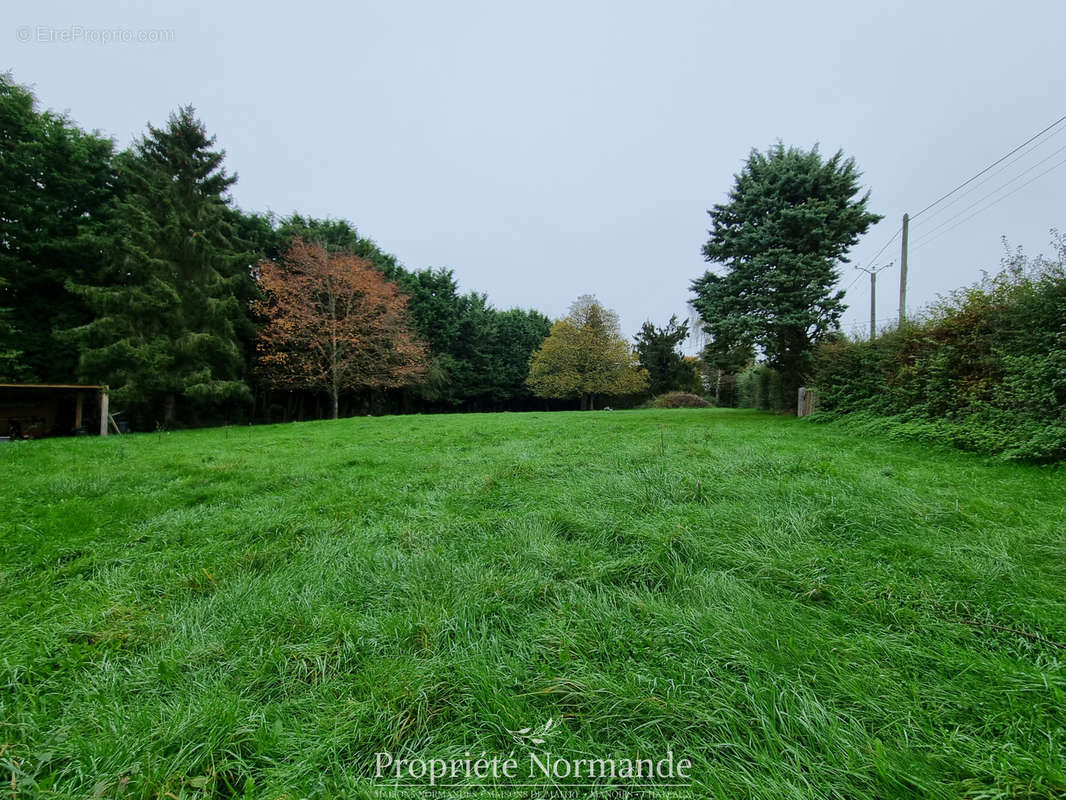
545,150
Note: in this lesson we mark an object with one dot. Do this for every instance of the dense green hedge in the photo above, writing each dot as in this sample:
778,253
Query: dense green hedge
984,369
760,386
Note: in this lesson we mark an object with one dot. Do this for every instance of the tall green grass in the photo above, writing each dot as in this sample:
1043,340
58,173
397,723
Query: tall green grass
256,612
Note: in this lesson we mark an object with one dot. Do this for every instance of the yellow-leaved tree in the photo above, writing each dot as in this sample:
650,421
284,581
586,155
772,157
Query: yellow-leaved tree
585,357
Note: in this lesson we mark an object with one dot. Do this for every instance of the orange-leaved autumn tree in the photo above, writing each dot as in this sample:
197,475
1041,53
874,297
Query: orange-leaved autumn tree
334,324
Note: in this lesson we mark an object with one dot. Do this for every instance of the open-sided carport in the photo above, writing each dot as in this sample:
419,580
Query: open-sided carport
51,409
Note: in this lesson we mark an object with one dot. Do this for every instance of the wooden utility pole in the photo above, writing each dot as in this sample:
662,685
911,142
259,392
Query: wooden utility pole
873,295
873,304
903,272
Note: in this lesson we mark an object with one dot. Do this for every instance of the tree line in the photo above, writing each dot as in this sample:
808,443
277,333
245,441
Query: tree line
137,269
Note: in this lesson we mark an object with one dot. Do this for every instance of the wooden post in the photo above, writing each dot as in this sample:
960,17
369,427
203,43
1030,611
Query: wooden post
903,271
79,399
103,410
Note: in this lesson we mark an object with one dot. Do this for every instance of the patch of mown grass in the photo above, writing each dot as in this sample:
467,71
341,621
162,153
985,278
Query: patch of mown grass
257,612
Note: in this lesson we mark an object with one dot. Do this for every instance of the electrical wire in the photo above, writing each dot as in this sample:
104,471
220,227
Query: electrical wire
994,202
886,244
878,253
853,282
992,175
929,234
940,199
933,234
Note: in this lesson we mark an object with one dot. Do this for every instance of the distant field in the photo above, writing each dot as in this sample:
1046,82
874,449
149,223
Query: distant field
257,612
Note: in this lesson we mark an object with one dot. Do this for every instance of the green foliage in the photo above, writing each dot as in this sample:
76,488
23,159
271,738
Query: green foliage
12,367
256,611
659,352
720,366
137,270
513,336
790,220
585,356
480,354
761,386
258,231
680,400
172,319
435,306
337,235
985,369
57,183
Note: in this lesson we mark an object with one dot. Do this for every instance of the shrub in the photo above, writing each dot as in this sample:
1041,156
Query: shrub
984,370
680,400
760,386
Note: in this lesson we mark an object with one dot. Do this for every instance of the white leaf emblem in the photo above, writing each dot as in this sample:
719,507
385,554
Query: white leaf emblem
529,736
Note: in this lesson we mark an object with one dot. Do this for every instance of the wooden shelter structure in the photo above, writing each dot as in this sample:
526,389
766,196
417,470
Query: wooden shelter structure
36,410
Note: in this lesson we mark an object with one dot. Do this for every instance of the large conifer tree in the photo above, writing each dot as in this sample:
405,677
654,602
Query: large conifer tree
172,322
789,222
57,186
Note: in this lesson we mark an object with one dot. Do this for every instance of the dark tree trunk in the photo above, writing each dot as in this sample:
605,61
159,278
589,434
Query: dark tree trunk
168,409
791,381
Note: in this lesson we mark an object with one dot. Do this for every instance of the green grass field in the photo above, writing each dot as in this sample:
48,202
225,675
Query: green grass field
257,612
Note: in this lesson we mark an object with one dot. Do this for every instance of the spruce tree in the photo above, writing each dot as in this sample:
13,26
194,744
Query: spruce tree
790,221
172,322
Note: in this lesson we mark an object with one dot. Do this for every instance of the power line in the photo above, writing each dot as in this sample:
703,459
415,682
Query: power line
872,272
932,235
879,319
862,325
994,163
871,260
994,202
999,171
885,245
853,282
929,234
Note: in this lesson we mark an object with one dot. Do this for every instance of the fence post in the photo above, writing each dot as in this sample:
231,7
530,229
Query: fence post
103,410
